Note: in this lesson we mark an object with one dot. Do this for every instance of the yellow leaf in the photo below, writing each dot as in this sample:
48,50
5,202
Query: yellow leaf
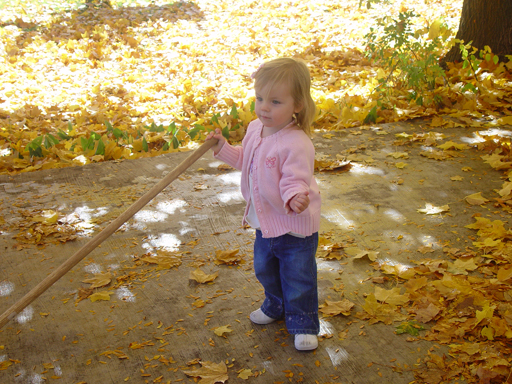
507,120
488,332
391,296
399,155
220,331
451,145
401,165
456,178
333,308
210,373
99,280
486,312
164,259
201,277
434,30
504,274
103,295
47,217
476,199
372,255
227,257
432,210
245,374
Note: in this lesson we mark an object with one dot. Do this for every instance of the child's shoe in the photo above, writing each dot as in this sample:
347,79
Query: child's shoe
258,317
306,342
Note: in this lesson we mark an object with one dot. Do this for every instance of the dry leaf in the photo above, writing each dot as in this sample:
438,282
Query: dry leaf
227,257
99,280
164,259
201,277
220,331
210,373
333,308
476,199
372,255
245,374
98,296
433,210
391,296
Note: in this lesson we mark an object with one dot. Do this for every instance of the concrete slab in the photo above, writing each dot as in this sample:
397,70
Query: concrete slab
158,321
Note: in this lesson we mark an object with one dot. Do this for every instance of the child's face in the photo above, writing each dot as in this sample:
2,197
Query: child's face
275,108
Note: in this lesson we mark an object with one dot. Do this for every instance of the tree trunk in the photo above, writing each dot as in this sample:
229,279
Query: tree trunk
485,22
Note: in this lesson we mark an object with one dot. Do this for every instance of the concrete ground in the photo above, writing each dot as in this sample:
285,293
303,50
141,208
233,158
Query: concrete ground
151,323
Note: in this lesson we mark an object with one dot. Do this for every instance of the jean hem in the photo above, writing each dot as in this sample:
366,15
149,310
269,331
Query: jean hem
303,332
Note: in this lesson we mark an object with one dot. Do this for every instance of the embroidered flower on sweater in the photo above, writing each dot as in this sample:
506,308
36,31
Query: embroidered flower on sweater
270,162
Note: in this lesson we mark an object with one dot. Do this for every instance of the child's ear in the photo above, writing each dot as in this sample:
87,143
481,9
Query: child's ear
298,108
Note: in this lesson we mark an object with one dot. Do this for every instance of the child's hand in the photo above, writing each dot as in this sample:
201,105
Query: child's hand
217,134
299,202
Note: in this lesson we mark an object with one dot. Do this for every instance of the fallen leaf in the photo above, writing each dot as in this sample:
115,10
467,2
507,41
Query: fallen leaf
220,331
476,199
164,259
210,373
98,296
201,277
99,280
245,374
372,255
227,257
391,296
333,308
433,210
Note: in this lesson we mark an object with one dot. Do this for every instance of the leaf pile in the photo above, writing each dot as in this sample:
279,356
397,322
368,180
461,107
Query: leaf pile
144,78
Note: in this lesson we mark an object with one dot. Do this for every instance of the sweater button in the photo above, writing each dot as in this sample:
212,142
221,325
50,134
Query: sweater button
259,210
266,231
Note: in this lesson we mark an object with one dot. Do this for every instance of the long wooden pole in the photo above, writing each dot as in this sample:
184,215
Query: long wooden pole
103,235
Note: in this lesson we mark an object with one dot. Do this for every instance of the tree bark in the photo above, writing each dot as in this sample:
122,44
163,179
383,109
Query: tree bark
485,22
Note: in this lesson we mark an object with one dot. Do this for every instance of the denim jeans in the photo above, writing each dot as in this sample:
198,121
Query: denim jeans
286,267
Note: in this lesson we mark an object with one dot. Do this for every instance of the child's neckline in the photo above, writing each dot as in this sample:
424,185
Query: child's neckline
292,123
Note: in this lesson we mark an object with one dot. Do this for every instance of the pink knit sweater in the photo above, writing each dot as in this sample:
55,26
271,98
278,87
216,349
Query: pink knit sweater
283,165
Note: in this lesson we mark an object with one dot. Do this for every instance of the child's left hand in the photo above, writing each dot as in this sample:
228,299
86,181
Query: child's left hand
299,202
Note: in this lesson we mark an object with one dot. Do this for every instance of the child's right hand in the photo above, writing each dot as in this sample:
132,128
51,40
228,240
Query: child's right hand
217,134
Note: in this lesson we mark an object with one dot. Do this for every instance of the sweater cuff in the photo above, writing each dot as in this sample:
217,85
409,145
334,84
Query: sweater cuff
228,154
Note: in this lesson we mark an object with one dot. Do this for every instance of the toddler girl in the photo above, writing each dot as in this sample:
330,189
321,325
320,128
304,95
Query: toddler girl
283,201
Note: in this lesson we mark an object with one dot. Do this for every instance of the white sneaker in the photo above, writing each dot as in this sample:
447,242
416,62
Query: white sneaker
258,317
306,342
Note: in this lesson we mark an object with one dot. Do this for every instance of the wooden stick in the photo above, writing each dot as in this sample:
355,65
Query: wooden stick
103,235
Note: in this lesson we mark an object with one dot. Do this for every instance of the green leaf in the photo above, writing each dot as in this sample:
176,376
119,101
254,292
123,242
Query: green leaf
50,141
470,87
225,132
34,147
100,150
234,112
110,128
411,327
194,131
145,145
371,117
63,135
172,128
495,59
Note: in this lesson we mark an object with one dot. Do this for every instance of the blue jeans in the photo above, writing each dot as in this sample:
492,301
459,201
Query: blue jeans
286,267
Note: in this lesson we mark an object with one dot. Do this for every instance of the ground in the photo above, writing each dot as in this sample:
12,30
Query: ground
155,321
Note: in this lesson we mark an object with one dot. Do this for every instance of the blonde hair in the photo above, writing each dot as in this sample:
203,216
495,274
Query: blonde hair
295,73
